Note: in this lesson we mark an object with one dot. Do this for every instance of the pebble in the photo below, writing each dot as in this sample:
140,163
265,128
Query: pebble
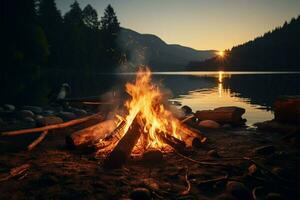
274,196
48,112
48,120
186,110
238,190
34,109
9,107
140,194
29,120
25,113
252,170
264,150
280,172
79,112
154,156
209,124
66,116
213,153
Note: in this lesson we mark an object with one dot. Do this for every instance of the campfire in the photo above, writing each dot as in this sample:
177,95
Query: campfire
147,125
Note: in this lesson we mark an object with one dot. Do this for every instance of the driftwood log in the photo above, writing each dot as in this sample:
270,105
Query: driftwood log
88,136
231,115
120,154
53,126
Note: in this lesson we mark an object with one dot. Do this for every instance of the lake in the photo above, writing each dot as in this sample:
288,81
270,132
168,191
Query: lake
254,91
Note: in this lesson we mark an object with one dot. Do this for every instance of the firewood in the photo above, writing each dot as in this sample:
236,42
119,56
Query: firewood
192,136
175,143
53,126
88,136
120,154
37,141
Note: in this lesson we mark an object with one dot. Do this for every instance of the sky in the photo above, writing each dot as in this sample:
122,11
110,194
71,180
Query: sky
200,24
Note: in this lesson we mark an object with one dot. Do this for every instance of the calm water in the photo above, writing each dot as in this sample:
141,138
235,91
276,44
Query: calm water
254,91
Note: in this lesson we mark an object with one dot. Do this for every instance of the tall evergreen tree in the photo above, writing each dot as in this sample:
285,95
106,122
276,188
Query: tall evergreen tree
110,28
109,22
90,17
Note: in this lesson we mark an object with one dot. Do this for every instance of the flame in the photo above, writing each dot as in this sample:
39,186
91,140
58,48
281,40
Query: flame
153,117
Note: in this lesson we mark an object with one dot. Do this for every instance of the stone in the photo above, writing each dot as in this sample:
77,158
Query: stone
213,153
151,183
25,113
48,112
209,124
264,150
240,111
79,112
48,120
140,194
287,109
9,107
66,116
281,172
34,109
29,120
187,110
252,170
153,156
274,196
238,190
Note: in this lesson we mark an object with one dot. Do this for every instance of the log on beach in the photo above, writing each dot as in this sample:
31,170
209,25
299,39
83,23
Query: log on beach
88,136
231,115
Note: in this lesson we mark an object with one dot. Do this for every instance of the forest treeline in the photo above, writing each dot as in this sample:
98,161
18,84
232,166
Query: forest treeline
275,50
37,37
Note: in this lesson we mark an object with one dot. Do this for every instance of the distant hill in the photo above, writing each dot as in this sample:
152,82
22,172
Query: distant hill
150,50
275,50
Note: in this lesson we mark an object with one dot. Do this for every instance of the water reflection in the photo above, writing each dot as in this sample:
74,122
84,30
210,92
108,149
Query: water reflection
255,92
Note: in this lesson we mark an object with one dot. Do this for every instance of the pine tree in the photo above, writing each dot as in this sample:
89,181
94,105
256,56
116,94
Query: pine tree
109,22
90,17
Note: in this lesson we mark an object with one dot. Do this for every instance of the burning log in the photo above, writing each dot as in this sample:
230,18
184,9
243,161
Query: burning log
192,136
122,151
175,143
88,136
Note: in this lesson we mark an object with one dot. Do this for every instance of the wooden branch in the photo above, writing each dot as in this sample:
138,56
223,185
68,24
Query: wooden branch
188,183
37,141
51,127
120,154
200,162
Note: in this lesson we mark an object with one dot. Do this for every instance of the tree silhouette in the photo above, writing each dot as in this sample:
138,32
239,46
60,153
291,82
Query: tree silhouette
90,17
51,21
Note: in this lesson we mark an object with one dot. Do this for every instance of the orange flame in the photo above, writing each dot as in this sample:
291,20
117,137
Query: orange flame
153,116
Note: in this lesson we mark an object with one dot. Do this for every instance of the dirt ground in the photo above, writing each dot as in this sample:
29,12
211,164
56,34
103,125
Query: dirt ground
56,172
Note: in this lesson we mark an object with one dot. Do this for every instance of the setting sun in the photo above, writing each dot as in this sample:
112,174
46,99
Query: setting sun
221,53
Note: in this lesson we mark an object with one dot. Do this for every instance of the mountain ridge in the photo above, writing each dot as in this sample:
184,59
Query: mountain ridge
151,50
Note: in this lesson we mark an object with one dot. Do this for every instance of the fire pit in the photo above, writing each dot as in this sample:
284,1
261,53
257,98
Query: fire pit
148,124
